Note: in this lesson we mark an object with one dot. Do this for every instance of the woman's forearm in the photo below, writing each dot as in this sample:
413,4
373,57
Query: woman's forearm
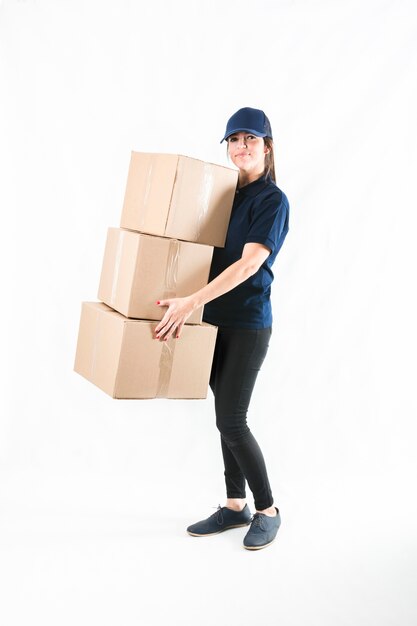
253,256
230,278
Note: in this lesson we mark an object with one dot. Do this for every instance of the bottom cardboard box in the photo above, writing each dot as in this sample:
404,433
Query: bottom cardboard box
122,358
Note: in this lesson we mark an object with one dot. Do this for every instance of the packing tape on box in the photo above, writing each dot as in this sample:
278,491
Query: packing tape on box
171,272
165,367
116,271
168,347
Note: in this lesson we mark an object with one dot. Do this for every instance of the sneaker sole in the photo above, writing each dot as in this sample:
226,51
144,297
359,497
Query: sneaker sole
219,531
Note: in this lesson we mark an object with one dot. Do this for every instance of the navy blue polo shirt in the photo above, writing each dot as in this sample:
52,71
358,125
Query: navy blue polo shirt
260,214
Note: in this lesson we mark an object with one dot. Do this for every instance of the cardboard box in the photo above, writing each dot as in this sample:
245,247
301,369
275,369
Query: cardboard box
122,358
179,197
140,269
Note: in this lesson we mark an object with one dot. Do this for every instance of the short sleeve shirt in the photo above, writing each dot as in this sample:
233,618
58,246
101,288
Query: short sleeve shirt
260,214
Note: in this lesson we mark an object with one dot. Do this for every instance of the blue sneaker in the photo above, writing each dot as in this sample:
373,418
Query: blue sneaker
262,531
221,520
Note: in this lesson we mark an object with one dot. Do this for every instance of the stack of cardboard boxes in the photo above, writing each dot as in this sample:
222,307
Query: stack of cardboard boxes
175,210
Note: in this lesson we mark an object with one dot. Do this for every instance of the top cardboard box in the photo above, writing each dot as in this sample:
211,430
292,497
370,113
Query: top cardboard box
178,197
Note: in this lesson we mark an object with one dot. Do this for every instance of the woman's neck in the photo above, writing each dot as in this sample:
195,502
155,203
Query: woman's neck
245,178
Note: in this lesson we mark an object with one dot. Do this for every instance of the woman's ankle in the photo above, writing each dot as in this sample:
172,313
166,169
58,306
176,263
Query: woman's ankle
271,511
235,504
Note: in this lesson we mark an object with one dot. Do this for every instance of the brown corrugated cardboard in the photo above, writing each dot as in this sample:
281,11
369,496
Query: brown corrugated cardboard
140,269
122,358
178,197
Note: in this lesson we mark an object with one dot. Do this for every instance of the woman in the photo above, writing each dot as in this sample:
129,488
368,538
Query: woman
237,300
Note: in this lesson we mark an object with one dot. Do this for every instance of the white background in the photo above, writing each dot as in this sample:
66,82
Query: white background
95,494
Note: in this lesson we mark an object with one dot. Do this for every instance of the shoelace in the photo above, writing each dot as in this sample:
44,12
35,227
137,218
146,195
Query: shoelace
219,515
257,520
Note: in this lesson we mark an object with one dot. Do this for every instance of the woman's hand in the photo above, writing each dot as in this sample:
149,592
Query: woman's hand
179,310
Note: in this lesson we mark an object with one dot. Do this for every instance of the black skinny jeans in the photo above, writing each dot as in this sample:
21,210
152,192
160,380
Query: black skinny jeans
238,357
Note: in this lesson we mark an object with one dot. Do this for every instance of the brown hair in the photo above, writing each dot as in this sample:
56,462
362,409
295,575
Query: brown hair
269,159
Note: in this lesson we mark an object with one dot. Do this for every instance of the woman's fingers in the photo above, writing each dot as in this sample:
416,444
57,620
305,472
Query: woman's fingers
165,319
179,330
166,330
163,332
175,316
166,327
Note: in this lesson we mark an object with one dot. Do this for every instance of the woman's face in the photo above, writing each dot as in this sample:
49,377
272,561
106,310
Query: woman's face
247,152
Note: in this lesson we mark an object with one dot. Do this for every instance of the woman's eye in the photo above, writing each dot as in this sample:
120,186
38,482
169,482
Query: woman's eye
250,137
232,139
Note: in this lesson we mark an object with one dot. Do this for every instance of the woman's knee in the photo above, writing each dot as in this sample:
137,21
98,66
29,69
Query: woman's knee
232,427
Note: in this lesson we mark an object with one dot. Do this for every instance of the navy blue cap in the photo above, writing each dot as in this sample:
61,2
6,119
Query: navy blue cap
250,120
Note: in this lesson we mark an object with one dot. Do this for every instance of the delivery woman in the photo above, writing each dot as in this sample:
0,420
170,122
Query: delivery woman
237,301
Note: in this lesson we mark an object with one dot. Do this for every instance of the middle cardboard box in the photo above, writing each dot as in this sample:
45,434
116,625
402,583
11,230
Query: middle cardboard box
139,269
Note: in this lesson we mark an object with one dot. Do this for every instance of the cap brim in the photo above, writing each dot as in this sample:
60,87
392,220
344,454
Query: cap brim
246,130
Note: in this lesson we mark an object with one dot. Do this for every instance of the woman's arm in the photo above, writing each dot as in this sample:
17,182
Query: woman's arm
179,309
